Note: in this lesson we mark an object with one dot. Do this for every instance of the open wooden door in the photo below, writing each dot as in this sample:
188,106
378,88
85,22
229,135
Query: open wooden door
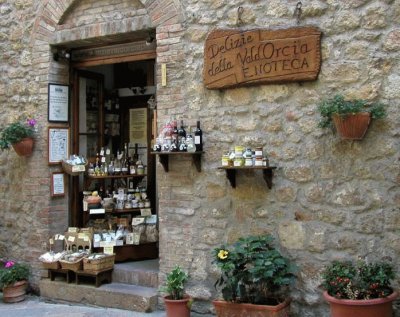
87,129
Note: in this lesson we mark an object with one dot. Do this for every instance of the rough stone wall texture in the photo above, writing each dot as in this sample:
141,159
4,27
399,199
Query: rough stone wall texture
330,198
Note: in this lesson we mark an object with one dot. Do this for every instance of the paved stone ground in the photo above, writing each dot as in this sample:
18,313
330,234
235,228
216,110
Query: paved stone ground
33,306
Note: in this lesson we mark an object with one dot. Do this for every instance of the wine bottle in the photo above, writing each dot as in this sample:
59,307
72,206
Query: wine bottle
198,137
181,136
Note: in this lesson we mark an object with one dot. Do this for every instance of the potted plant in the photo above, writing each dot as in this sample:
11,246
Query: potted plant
351,118
254,280
177,303
19,135
359,289
13,280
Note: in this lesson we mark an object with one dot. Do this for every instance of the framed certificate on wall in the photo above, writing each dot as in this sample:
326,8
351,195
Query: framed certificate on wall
58,103
58,138
57,184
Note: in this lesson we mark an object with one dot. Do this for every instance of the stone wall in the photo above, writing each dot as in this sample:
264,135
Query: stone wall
330,198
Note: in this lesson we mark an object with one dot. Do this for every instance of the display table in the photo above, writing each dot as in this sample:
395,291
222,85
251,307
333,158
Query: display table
99,277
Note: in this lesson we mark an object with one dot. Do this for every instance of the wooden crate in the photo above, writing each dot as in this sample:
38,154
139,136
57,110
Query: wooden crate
97,265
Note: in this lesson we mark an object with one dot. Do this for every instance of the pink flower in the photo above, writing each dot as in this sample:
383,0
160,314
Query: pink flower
31,122
9,264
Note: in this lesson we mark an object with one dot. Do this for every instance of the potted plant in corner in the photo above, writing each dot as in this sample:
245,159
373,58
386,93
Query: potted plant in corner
13,280
351,118
360,289
254,280
19,135
177,303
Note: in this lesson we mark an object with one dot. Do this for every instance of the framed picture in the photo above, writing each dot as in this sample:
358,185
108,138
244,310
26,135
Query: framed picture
58,138
58,103
57,184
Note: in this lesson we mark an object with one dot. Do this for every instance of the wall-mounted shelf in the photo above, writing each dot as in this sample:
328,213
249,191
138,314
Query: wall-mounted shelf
116,176
231,173
164,158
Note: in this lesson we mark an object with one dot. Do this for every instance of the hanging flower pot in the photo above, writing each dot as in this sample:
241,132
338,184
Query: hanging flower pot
24,147
15,292
352,126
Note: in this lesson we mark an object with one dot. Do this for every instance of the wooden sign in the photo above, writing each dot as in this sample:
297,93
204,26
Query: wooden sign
235,58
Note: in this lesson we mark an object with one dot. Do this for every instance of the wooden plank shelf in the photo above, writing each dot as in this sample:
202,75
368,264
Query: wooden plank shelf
116,176
164,158
231,173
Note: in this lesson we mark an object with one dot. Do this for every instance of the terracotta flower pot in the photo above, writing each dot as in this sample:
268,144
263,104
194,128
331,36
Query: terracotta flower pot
24,147
381,307
15,293
179,307
228,309
352,126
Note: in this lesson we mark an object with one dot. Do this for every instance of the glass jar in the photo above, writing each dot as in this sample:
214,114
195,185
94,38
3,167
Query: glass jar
225,160
190,146
238,161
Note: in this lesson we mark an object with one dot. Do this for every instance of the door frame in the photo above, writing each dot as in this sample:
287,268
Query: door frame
75,70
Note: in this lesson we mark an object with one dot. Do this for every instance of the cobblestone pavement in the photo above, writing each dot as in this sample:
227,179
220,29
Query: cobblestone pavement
33,306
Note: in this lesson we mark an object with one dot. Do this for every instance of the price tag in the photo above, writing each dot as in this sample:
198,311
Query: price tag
108,151
108,250
103,159
71,239
60,237
137,221
145,212
51,241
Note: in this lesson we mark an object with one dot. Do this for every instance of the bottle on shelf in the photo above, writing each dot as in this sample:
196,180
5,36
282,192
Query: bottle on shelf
198,137
181,135
117,164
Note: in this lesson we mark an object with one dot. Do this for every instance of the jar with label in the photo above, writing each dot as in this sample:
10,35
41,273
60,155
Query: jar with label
238,161
248,162
140,168
225,160
247,154
259,152
258,161
265,161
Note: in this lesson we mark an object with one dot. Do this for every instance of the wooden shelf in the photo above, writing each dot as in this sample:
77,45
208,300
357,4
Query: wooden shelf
122,211
116,176
231,173
164,158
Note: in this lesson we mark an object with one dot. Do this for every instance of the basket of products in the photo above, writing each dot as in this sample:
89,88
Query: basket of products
51,260
73,261
97,262
75,165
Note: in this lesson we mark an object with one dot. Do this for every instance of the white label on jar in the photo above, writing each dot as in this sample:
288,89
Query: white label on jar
249,162
103,159
108,152
197,139
259,153
237,163
258,163
225,163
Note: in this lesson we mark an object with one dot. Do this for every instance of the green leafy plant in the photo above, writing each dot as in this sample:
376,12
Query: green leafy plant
253,271
175,283
338,105
16,131
11,272
346,280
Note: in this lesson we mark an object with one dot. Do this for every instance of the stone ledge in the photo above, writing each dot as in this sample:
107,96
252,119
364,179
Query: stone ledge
114,295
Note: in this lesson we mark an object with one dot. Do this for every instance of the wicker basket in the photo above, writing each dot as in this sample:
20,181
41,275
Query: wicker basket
97,265
73,170
51,265
72,266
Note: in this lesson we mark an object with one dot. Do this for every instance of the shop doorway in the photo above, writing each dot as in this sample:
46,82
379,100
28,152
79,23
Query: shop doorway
113,123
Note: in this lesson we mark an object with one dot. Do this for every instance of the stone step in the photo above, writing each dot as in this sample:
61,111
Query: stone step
143,273
114,295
